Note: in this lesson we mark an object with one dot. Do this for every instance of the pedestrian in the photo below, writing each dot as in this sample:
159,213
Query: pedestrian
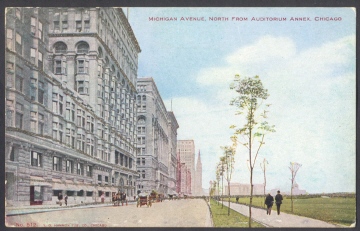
60,197
102,198
66,198
124,199
113,197
118,198
237,200
278,199
269,201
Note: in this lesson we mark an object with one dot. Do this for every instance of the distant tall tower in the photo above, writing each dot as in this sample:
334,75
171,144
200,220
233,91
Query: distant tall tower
198,177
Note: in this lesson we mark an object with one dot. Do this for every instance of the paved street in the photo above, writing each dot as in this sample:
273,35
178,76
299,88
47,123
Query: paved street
176,213
282,220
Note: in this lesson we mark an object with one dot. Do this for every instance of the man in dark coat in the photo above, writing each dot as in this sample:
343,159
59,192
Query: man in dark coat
269,201
278,199
60,197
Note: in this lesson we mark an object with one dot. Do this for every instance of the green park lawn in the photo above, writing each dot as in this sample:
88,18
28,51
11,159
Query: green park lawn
221,218
336,210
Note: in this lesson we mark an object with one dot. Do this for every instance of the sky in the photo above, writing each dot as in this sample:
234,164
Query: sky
307,66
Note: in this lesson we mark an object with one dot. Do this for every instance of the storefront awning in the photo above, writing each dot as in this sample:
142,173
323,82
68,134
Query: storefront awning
58,186
38,181
87,188
72,187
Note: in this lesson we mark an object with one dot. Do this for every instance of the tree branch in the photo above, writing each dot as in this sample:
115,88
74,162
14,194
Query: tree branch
257,152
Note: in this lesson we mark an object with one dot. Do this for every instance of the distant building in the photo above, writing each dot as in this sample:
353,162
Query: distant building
156,140
198,177
296,191
243,189
186,149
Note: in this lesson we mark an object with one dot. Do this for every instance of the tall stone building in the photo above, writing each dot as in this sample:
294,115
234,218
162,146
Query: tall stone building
186,149
70,104
198,177
156,140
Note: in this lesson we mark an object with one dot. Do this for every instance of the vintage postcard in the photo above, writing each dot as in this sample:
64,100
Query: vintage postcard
180,117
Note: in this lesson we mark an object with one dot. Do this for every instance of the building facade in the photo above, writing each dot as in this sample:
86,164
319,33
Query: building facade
156,140
70,104
186,149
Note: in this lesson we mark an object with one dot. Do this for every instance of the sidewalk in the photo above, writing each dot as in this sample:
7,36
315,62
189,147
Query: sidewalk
12,211
281,221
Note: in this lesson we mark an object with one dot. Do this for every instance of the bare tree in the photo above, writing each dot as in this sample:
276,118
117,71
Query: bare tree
229,161
294,167
218,173
251,94
222,170
263,167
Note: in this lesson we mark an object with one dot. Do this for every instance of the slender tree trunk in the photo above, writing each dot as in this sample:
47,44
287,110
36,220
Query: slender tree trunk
251,175
292,205
264,181
218,193
229,198
222,190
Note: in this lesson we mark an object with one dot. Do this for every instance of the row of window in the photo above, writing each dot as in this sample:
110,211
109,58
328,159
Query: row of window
39,28
79,140
80,25
74,193
142,173
36,160
142,161
123,160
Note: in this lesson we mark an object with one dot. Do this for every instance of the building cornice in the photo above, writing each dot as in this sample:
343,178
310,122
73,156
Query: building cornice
129,29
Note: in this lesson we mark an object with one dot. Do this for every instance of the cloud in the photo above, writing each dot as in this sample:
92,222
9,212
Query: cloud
312,93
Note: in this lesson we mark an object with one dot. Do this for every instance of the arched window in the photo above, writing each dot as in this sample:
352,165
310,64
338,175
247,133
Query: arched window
143,173
60,48
112,68
141,120
144,98
83,47
100,53
106,60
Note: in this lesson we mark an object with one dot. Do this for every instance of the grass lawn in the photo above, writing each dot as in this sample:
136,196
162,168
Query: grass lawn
336,210
221,218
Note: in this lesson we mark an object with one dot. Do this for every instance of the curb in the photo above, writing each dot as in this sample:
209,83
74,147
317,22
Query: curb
51,209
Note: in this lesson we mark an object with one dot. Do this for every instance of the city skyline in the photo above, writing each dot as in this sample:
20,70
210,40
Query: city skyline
308,67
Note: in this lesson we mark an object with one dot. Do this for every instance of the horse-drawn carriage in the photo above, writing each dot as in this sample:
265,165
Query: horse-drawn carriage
143,199
119,198
157,197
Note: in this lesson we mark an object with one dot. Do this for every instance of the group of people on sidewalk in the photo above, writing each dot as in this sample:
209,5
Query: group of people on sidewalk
269,201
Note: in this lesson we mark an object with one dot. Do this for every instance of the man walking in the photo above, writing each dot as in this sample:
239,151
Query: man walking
278,199
66,199
269,201
60,197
